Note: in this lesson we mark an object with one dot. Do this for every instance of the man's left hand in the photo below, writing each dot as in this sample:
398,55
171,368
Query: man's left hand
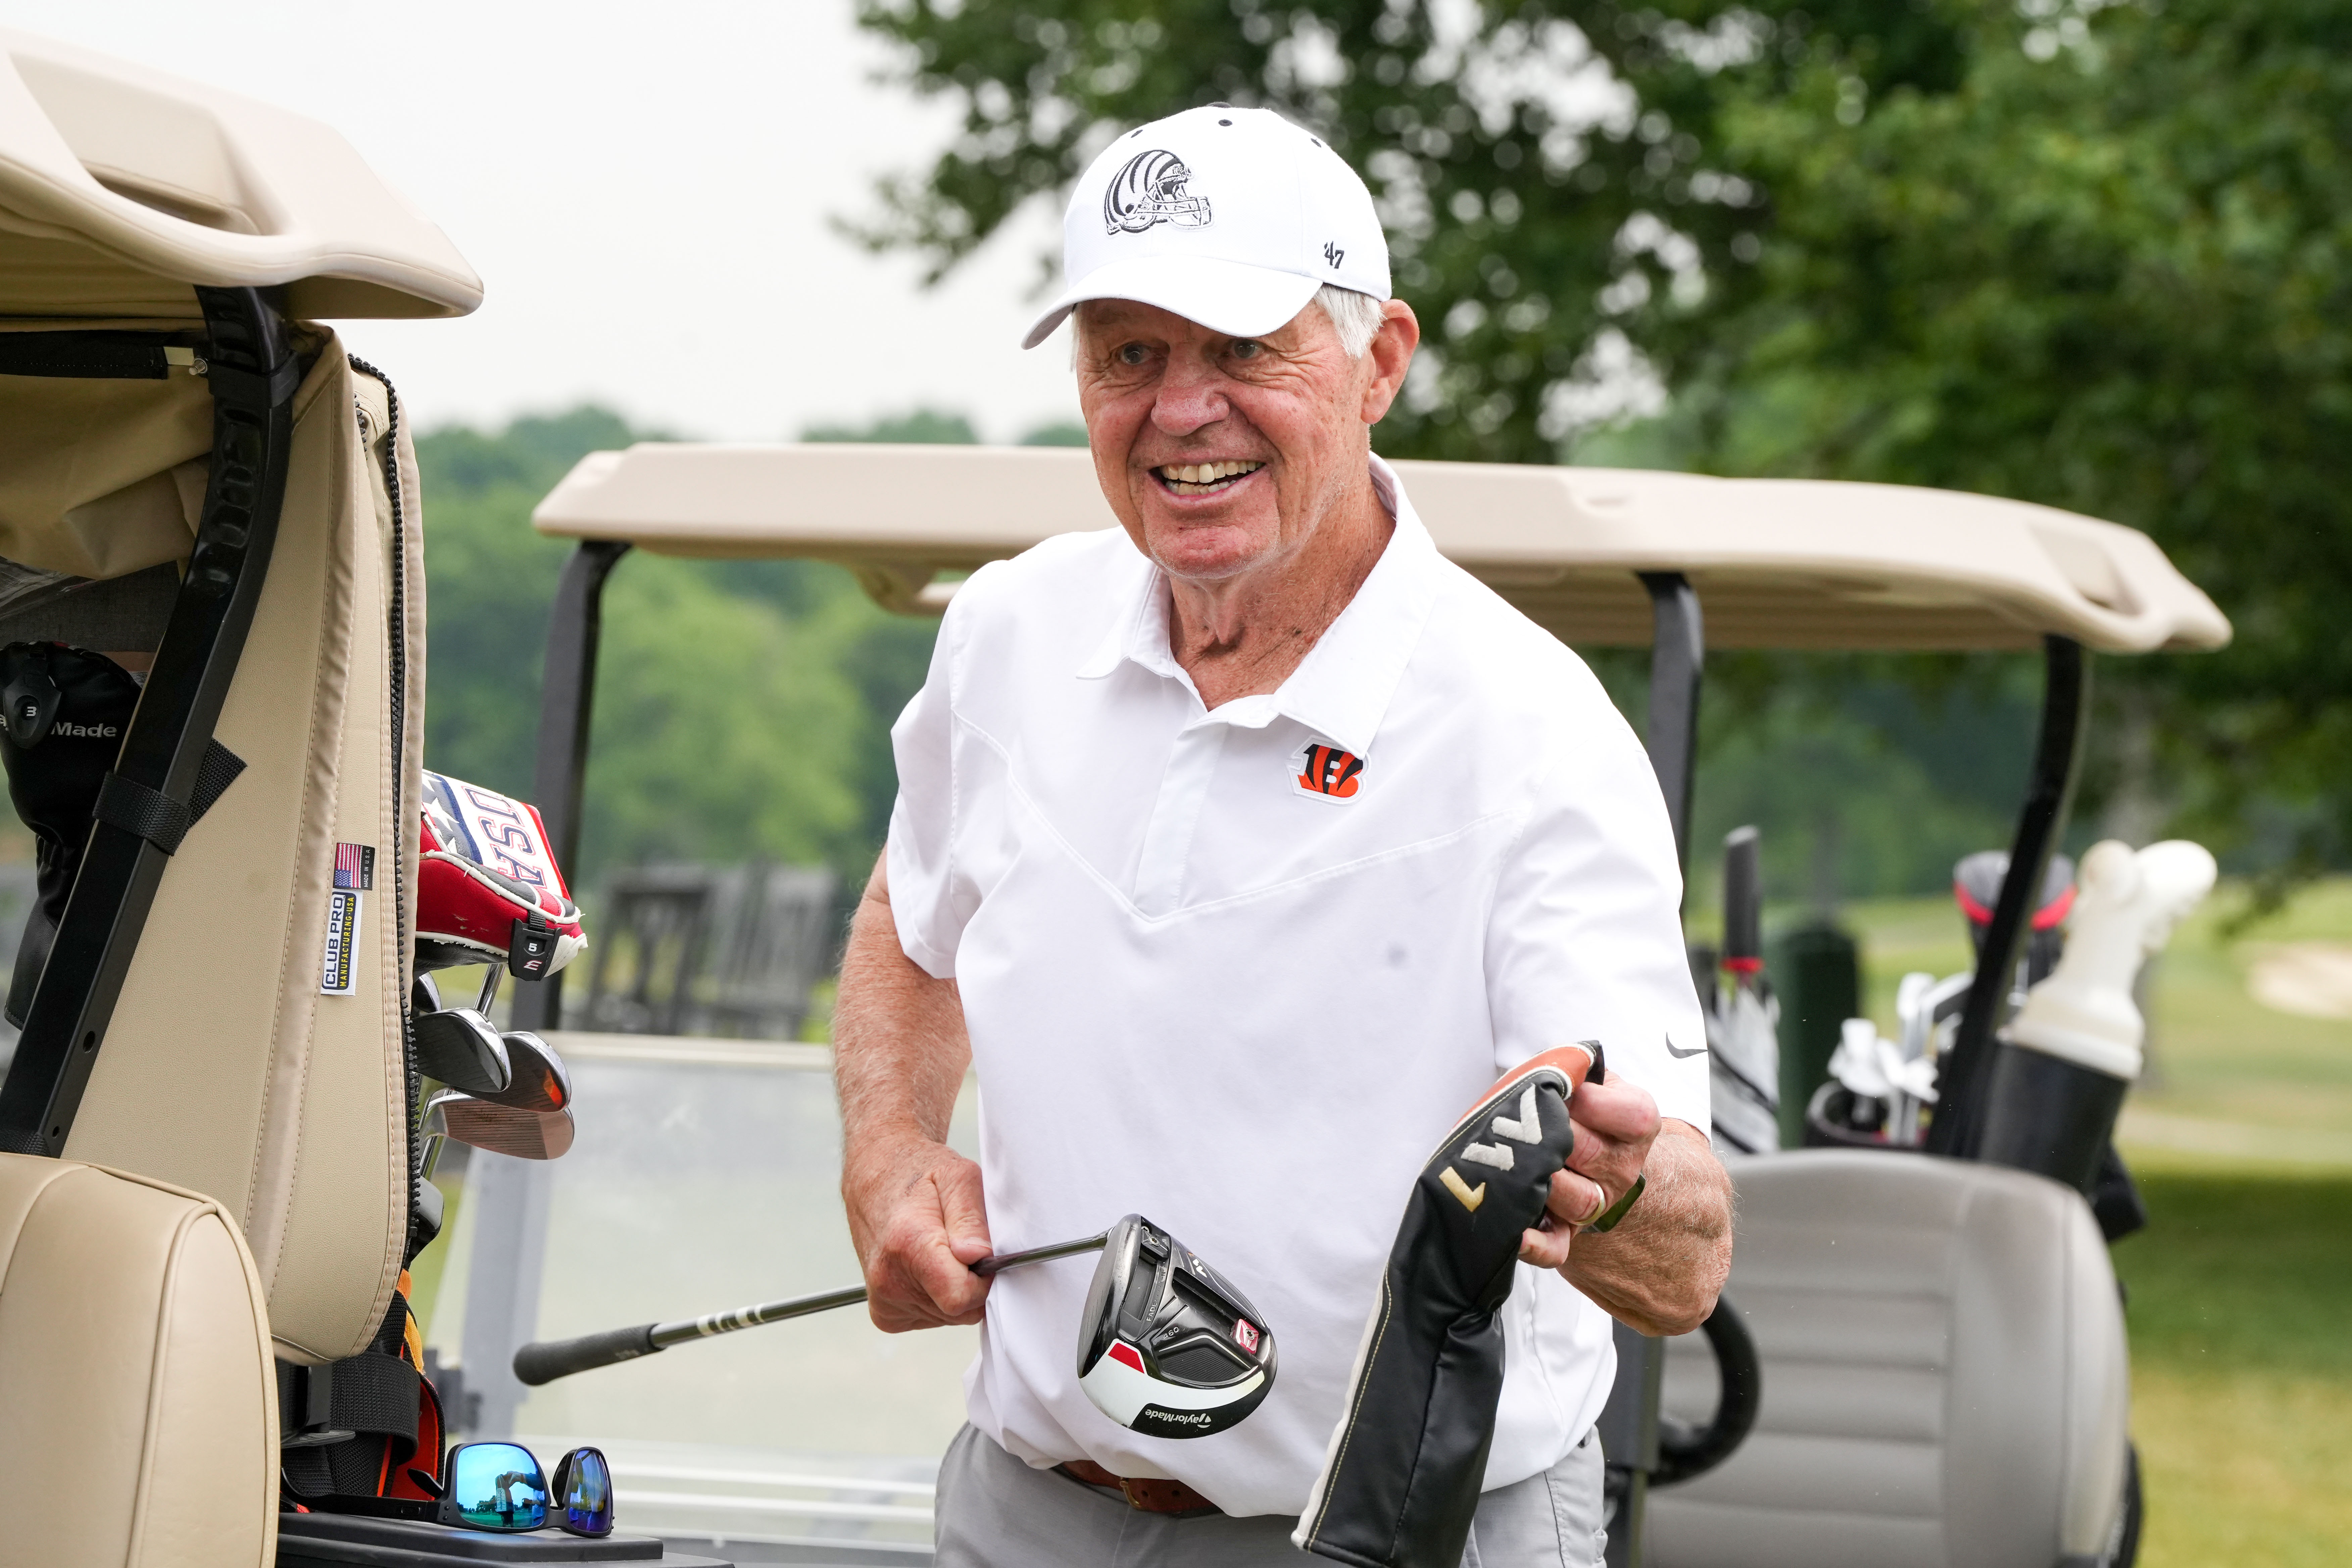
1616,1122
1658,1269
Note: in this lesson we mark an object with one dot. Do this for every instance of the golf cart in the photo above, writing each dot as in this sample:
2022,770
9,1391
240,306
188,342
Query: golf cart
1951,1385
208,1184
212,678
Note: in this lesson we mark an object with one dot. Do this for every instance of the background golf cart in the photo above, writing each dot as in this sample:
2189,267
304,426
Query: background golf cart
1598,557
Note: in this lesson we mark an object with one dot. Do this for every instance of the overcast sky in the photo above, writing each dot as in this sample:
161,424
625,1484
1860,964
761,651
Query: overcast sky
644,190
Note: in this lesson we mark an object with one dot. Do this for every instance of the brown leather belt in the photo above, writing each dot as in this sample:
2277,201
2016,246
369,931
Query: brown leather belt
1148,1496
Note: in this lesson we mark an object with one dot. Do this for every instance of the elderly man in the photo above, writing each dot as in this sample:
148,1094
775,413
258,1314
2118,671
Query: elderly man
1239,848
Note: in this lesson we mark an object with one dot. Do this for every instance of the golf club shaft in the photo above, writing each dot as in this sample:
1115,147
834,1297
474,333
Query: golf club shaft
1003,1260
547,1360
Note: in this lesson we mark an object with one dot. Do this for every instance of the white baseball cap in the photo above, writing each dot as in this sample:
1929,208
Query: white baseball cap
1231,218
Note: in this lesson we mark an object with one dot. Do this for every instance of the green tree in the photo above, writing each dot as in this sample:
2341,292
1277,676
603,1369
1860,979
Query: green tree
2081,253
744,707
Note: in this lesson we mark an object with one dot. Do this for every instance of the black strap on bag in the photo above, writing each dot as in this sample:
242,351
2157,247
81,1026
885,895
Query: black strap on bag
252,370
345,1426
156,816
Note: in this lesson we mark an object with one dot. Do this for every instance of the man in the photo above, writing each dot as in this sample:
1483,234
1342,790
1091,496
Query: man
1239,849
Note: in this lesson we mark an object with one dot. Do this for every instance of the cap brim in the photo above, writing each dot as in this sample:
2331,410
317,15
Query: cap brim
1223,296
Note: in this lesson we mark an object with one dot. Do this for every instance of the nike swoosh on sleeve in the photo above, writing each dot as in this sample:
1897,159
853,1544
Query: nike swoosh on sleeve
1676,1051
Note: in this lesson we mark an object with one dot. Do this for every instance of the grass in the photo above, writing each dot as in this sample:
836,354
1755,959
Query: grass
2241,1368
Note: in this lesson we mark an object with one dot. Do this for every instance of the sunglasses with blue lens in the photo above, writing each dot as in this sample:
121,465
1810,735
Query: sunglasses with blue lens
499,1488
583,1492
493,1486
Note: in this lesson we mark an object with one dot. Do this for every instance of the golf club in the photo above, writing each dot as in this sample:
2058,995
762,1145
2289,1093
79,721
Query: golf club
539,1081
1166,1345
500,1129
460,1047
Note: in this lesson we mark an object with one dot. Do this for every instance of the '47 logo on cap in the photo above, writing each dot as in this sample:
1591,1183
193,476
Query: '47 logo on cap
1327,772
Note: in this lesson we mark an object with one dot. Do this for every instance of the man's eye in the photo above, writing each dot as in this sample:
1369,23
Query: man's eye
1133,354
1245,349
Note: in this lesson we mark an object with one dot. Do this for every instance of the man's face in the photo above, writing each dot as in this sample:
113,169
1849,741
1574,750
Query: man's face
1222,454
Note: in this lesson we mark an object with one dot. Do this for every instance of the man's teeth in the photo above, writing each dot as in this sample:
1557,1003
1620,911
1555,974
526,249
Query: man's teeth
1193,479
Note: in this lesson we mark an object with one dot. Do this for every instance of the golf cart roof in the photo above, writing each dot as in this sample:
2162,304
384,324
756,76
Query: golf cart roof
121,187
1789,563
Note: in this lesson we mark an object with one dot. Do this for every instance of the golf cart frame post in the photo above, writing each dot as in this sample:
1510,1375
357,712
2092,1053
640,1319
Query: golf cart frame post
1594,555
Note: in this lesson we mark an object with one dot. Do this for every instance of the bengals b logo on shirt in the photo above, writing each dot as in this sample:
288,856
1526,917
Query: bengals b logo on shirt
1327,772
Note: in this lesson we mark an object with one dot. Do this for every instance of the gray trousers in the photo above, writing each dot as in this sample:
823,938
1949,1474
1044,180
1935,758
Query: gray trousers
995,1511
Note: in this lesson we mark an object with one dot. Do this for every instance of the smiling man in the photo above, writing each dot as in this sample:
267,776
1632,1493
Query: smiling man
1238,850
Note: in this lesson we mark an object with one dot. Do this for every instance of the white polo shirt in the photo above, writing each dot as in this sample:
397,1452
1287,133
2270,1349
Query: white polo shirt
1240,971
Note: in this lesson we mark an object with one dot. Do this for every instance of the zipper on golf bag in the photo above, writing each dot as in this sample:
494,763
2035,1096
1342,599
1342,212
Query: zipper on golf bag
354,1428
424,1215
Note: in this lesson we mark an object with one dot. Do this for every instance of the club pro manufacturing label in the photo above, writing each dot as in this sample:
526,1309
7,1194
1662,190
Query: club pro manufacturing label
342,967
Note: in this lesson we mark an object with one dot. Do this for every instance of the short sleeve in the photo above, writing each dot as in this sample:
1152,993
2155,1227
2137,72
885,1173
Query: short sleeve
1586,939
928,901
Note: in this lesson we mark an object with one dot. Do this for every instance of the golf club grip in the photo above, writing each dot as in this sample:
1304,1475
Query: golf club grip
547,1360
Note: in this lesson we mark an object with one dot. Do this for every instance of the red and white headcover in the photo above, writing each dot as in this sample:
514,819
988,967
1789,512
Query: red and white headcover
489,890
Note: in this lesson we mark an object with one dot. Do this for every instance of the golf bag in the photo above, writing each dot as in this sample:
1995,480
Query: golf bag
1399,1482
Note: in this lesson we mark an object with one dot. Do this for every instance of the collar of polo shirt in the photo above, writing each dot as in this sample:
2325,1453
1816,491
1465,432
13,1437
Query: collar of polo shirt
1343,685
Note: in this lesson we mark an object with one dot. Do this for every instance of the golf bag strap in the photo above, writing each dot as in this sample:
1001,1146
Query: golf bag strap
156,816
373,1397
370,1394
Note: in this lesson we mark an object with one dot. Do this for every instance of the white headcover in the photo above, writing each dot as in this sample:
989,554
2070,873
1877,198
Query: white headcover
1231,218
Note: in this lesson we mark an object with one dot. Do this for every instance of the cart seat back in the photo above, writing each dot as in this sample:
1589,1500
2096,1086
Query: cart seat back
1944,1377
138,1408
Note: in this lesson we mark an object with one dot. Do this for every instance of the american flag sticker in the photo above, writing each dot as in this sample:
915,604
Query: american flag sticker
340,971
355,866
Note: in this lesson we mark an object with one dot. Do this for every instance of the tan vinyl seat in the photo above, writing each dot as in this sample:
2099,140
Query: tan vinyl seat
1943,1375
138,1408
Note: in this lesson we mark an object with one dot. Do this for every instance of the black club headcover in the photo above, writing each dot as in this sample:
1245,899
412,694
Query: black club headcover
1399,1482
63,712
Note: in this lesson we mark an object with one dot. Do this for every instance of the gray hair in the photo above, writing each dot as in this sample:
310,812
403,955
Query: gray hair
1356,317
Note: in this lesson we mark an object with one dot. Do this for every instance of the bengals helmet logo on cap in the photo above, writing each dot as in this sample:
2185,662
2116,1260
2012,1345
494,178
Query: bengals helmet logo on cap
1327,772
1152,189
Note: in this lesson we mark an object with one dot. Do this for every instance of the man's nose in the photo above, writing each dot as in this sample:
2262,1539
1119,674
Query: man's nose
1191,397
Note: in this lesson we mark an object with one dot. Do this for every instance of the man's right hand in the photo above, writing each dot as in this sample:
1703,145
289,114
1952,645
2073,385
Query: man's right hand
917,1221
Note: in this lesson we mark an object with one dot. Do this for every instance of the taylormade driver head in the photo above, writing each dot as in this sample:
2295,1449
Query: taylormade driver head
500,1129
1167,1346
458,1047
540,1081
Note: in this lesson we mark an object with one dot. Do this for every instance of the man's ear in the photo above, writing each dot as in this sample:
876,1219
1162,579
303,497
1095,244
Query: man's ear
1391,354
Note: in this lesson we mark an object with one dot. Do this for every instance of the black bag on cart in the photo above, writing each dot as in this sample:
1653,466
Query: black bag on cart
67,710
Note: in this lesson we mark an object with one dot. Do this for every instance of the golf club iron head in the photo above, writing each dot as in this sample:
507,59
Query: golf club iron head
1167,1346
539,1081
460,1047
502,1129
